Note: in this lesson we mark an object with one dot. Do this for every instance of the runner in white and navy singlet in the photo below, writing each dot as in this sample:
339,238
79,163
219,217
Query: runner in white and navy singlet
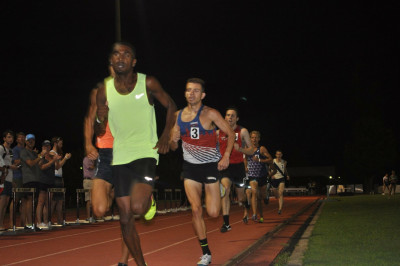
257,171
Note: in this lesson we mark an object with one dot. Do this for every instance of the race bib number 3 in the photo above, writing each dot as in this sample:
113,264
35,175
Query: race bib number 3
194,133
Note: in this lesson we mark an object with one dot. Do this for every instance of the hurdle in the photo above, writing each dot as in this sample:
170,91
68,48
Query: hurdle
78,221
155,194
167,192
49,199
177,192
23,190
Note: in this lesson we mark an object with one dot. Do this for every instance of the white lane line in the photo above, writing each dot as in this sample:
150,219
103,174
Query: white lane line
88,232
117,239
59,237
61,252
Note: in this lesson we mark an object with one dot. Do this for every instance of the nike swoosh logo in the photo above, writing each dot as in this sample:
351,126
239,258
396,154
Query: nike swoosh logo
139,96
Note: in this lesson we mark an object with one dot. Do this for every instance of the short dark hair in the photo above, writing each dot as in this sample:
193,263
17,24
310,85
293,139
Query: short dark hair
8,131
198,81
20,134
125,44
234,109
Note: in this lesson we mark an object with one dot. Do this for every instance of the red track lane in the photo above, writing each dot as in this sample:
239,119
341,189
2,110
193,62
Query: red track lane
167,240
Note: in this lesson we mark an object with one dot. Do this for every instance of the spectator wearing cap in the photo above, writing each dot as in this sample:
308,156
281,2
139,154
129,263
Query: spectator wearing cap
32,176
48,166
17,177
6,155
57,200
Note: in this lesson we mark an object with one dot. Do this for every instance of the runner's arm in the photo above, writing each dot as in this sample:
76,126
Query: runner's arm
155,89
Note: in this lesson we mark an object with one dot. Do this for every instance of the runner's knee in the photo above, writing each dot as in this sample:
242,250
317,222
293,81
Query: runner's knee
139,207
196,211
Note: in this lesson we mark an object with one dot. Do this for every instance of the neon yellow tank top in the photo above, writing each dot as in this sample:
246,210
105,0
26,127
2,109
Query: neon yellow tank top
132,122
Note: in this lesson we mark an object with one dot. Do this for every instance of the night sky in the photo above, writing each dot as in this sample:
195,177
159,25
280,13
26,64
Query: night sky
301,73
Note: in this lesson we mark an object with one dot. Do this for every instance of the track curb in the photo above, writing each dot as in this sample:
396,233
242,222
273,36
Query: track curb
265,238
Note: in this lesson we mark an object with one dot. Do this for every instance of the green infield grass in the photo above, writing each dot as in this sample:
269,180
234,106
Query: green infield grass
356,230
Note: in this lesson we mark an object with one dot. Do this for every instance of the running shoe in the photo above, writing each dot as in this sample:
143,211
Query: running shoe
91,220
204,260
245,219
152,211
222,190
279,212
261,220
31,227
254,217
122,264
42,225
225,228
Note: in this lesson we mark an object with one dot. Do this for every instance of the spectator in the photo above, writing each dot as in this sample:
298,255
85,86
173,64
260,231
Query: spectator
31,174
386,183
17,178
6,155
393,181
48,167
57,198
89,170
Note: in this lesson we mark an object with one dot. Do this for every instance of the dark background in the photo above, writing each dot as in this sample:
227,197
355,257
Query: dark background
317,79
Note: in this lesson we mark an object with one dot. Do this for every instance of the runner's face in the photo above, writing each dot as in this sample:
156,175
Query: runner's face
231,117
254,139
278,155
122,59
194,93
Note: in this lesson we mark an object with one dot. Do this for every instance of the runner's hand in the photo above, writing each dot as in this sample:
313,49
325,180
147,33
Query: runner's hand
176,134
92,152
163,144
223,163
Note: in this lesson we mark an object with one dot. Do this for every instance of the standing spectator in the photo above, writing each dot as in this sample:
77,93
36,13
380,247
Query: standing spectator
89,170
393,181
32,174
48,167
6,155
17,178
57,199
3,174
386,183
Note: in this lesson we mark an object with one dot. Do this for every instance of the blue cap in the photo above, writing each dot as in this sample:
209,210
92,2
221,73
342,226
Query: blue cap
29,136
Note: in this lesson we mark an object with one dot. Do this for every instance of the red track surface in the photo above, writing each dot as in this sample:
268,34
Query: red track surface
168,240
